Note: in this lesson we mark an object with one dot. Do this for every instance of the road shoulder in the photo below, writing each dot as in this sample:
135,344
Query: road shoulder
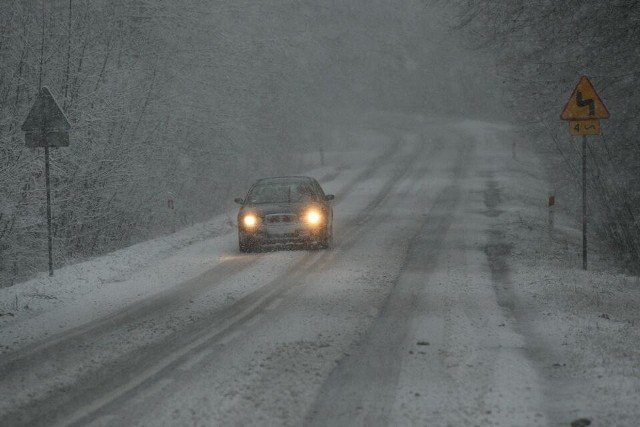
581,327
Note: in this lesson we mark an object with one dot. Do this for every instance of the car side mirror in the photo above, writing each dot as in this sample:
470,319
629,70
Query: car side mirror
329,197
239,200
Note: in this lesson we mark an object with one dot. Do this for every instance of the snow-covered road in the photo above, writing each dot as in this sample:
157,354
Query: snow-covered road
412,318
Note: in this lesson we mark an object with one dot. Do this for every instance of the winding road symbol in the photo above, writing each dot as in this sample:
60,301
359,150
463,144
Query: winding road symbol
584,103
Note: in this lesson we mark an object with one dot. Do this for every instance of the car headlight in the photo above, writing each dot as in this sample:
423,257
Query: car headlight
313,217
250,221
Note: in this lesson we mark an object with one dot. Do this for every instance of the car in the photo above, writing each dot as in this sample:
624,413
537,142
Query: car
285,210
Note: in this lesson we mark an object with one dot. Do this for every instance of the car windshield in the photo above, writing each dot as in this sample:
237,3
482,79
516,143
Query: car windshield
281,193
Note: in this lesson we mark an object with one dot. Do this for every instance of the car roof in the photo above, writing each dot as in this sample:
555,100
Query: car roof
284,180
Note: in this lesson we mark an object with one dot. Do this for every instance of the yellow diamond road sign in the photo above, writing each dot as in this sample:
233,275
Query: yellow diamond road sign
584,103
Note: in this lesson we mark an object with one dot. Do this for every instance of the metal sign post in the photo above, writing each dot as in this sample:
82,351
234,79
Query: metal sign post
48,185
584,202
46,126
583,111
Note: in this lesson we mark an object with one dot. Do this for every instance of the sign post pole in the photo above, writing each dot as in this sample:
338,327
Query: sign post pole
583,111
47,179
48,184
47,126
584,202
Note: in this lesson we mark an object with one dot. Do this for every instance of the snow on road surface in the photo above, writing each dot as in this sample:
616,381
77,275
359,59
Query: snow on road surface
444,302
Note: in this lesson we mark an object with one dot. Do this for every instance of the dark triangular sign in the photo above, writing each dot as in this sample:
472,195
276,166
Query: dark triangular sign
46,115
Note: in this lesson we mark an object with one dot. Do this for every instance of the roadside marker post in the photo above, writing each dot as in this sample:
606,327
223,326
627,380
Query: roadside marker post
551,220
583,111
46,126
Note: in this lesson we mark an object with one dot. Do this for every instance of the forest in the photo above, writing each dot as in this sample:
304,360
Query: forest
175,107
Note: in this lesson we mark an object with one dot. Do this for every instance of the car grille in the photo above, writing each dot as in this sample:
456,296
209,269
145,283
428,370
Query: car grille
280,218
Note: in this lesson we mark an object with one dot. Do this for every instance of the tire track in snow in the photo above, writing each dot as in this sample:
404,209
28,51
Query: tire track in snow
362,389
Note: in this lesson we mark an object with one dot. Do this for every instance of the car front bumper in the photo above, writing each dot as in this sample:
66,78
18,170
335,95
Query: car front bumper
292,235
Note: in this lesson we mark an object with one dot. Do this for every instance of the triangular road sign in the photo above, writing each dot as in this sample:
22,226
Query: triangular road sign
46,115
584,103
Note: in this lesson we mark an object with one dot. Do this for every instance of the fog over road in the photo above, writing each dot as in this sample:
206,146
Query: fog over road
408,320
